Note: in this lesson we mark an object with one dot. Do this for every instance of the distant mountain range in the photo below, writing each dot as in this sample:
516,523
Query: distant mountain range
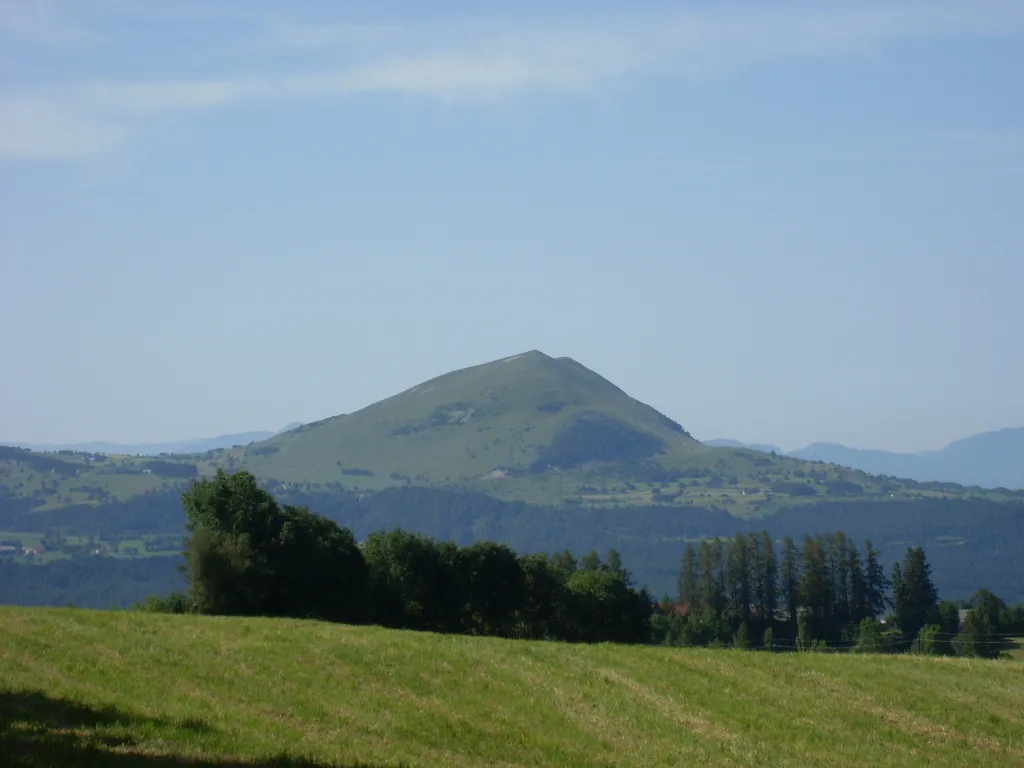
195,445
990,459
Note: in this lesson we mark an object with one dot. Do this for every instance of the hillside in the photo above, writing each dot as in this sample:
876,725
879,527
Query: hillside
526,415
93,688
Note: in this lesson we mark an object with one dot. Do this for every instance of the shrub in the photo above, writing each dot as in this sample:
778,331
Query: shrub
176,602
871,639
927,641
741,640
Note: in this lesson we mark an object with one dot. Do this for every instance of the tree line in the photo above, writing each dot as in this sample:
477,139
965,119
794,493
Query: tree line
246,554
825,594
992,533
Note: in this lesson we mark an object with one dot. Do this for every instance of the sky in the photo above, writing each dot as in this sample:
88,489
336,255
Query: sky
783,223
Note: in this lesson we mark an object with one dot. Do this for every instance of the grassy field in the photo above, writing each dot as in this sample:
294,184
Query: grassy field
118,689
124,548
1015,648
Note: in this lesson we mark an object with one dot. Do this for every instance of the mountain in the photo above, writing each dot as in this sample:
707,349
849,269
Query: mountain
195,445
910,465
525,416
989,460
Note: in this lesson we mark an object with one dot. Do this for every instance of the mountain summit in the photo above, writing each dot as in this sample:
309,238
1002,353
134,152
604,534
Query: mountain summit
524,414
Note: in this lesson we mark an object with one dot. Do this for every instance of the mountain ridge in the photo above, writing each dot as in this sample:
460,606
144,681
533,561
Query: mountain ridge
188,445
993,459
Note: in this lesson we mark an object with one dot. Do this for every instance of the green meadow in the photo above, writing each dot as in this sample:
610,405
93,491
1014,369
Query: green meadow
120,688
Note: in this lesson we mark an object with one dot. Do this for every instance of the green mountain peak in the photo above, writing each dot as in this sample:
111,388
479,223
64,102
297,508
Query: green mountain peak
523,414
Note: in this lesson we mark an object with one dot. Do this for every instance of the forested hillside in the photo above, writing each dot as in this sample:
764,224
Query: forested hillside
971,543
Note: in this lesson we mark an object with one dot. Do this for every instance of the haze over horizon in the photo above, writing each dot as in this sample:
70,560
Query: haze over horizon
783,226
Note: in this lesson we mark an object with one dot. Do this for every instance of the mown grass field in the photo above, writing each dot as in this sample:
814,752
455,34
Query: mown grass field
1015,648
118,689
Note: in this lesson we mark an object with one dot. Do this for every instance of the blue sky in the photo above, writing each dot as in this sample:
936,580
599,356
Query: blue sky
789,223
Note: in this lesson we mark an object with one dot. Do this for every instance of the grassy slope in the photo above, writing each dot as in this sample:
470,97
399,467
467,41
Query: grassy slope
135,687
56,490
504,429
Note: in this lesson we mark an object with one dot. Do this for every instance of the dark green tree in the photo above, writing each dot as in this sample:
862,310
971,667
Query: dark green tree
790,578
320,571
542,611
407,583
839,612
738,579
494,588
590,561
976,637
565,563
815,588
687,584
992,607
767,577
875,583
712,596
741,640
859,599
949,617
613,562
601,607
914,594
246,555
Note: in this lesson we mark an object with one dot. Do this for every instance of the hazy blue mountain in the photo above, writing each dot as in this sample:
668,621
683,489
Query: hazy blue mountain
196,445
990,459
909,465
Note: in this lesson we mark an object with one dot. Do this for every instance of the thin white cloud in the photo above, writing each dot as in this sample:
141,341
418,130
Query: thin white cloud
43,129
39,21
290,34
496,63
